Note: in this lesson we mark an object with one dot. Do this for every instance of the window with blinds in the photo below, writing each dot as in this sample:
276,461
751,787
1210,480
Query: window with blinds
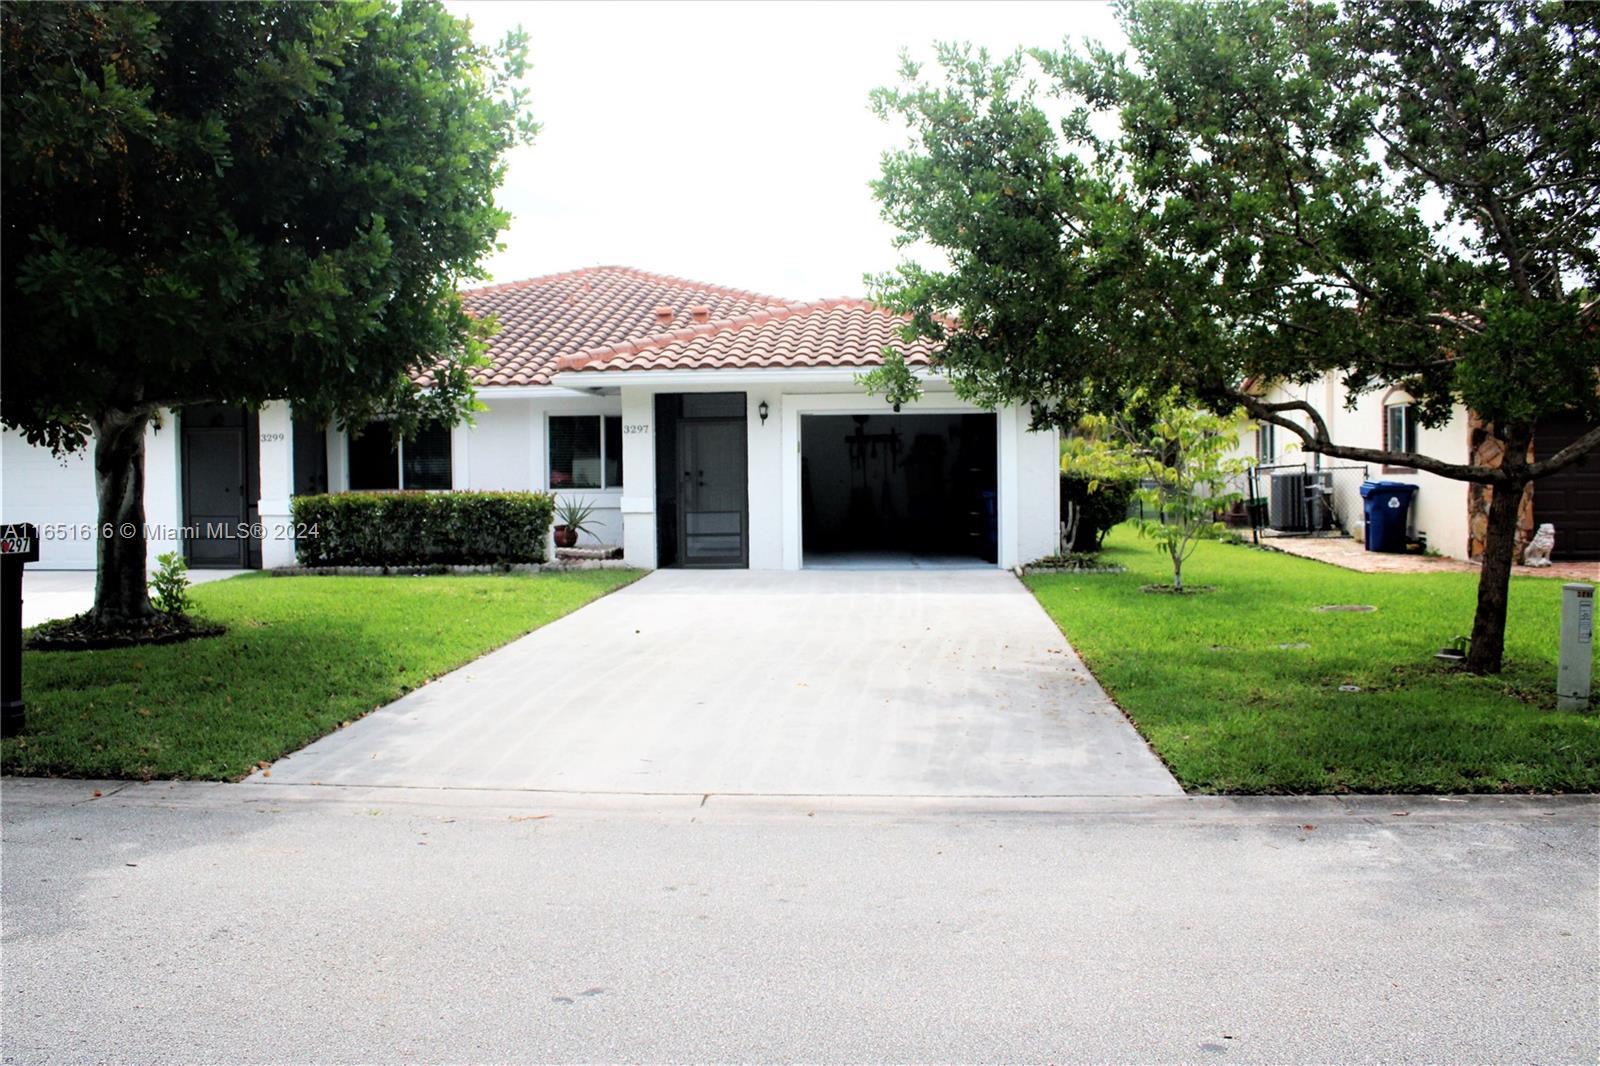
585,452
426,459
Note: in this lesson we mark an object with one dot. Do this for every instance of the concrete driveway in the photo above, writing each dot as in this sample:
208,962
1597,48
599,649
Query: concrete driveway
892,683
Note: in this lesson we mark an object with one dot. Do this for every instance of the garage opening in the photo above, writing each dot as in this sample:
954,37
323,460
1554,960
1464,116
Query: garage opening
912,490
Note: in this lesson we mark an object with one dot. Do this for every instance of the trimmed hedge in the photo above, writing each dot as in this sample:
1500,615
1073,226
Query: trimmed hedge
1098,510
422,528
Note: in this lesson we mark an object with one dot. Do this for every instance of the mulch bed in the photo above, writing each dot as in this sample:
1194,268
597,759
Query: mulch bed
1076,563
82,633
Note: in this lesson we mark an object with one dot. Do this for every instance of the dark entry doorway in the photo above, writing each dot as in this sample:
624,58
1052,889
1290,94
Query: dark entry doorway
702,492
221,486
898,490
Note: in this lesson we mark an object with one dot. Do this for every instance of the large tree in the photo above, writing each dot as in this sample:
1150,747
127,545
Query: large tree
1390,193
238,203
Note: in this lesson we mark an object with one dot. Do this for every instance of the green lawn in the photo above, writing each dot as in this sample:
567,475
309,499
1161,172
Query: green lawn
302,655
1239,689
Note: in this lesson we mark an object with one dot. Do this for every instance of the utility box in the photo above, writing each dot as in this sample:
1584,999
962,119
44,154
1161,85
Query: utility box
1577,647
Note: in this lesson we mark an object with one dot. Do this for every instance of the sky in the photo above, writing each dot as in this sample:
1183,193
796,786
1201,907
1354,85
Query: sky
726,142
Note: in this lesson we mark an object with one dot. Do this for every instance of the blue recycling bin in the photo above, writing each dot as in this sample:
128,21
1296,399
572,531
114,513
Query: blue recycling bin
1386,504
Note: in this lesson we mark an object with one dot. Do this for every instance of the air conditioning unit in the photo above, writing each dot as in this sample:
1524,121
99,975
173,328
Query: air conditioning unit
1301,502
1286,503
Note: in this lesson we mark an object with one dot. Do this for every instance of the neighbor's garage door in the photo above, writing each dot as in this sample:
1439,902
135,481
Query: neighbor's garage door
1569,500
37,487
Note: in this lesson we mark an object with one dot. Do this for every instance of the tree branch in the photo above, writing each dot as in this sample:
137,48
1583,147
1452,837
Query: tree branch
1566,456
1317,440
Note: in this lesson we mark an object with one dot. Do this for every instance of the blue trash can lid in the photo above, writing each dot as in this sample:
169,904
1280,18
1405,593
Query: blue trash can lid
1369,487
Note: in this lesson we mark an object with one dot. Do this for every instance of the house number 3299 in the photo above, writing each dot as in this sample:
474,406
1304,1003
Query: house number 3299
635,427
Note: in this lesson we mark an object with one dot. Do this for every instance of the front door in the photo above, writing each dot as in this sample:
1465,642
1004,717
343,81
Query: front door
219,487
703,496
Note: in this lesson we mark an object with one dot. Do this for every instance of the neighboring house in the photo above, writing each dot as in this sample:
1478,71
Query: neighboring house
1451,515
710,427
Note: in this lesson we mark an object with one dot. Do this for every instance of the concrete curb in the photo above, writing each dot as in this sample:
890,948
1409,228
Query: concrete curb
1396,811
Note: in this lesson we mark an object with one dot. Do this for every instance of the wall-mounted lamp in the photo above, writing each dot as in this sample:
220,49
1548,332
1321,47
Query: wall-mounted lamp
762,411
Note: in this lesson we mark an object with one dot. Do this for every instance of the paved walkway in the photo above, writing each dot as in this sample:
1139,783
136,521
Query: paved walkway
246,923
1348,553
51,594
906,683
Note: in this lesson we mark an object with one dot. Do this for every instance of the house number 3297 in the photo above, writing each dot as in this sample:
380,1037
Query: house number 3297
635,427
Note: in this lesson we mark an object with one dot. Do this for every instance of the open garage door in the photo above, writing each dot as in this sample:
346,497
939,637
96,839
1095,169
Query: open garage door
898,490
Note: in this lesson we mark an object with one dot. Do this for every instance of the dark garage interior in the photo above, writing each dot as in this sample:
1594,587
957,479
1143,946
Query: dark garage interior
898,489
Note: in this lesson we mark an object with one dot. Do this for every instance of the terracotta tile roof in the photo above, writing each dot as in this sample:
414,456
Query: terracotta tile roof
542,319
829,333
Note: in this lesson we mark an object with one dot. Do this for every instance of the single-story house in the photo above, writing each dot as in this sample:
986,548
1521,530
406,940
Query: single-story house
1451,516
709,426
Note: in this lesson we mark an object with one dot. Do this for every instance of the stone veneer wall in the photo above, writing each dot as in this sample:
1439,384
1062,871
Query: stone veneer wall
1485,449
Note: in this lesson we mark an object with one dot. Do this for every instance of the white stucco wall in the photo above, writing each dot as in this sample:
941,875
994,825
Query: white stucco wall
507,448
276,454
1027,462
57,494
1439,508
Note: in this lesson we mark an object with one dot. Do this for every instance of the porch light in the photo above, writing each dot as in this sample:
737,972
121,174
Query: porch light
762,411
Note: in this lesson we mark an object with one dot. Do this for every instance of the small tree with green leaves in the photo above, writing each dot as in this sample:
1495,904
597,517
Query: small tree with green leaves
1181,456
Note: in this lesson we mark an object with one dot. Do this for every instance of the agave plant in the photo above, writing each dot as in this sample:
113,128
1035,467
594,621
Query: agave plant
575,515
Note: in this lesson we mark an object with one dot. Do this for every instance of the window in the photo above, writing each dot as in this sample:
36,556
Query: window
586,452
425,461
1400,427
377,462
1266,443
374,463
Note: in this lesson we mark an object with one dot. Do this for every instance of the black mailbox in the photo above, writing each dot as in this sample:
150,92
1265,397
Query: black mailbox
19,544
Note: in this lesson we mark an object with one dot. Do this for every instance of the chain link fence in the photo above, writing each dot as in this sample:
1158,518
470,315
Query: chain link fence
1299,500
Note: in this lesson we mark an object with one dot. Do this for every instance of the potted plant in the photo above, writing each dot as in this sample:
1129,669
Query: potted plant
572,518
1455,651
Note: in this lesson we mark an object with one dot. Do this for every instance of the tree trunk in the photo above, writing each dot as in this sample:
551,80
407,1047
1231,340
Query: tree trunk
1177,572
1499,552
121,590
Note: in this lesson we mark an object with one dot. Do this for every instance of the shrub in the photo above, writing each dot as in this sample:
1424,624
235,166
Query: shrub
169,585
422,528
1099,508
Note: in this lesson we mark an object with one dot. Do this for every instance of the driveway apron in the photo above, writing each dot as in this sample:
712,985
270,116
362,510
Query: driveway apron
902,683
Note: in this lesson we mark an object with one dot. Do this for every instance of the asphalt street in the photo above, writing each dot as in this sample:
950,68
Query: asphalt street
273,923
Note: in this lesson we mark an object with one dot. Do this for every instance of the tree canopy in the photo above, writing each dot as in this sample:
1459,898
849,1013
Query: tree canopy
234,204
238,203
1388,193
